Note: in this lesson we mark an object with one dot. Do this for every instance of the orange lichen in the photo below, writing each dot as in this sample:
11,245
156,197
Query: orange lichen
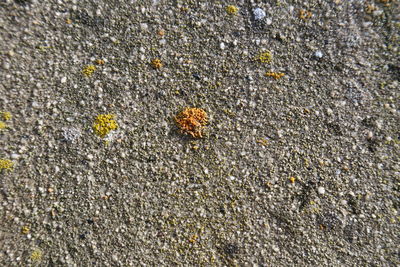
156,63
304,14
276,75
192,121
263,142
161,32
370,8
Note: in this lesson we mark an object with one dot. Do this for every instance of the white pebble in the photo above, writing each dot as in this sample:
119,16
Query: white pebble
318,54
321,190
222,46
275,248
6,65
144,26
63,79
258,13
35,104
377,13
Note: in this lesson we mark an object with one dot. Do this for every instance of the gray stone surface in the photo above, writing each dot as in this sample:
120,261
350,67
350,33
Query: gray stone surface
149,196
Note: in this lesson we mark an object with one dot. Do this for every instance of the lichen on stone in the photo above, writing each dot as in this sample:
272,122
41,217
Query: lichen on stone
6,164
192,121
104,124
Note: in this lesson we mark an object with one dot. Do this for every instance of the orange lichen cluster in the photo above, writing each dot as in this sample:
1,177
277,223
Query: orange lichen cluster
304,14
276,75
100,62
370,8
161,32
156,63
192,121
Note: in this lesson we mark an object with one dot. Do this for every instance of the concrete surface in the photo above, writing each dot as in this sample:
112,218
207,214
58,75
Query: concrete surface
297,171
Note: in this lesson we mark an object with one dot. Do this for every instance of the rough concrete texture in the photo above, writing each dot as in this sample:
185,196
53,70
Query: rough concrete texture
299,170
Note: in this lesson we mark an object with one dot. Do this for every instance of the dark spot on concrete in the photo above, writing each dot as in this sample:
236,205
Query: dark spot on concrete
23,2
368,122
394,70
372,144
328,221
334,128
196,76
231,249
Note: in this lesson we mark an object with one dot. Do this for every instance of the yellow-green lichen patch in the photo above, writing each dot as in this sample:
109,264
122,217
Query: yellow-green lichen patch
104,124
304,14
6,164
232,10
265,57
25,230
88,70
2,125
36,255
5,115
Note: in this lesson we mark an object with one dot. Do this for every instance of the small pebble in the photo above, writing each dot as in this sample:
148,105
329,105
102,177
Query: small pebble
35,104
6,65
318,54
321,190
377,13
144,26
258,13
222,46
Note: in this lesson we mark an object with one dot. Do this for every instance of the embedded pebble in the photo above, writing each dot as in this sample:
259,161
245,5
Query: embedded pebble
258,13
318,54
321,190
